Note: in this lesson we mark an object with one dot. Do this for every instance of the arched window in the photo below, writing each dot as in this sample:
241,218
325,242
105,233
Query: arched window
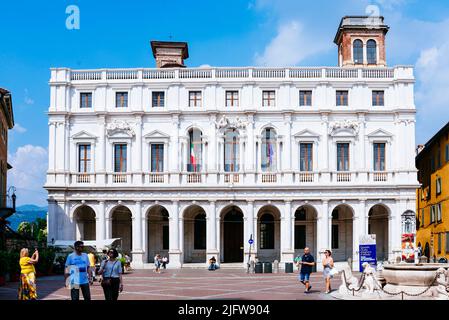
199,232
300,214
231,151
371,52
195,152
268,150
358,52
267,231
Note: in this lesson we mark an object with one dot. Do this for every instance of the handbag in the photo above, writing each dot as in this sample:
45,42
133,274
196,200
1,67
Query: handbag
106,281
333,271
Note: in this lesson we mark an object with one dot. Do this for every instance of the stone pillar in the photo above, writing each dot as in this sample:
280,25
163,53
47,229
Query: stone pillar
287,251
211,232
52,146
323,232
175,234
137,179
101,222
101,153
108,227
52,220
137,252
249,230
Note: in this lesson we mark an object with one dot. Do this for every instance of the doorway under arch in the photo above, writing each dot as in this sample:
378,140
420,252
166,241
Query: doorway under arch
232,222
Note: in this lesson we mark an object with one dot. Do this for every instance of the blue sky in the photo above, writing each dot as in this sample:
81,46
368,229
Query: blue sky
219,33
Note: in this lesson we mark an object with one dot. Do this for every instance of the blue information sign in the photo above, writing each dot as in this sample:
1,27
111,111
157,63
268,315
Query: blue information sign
367,253
250,241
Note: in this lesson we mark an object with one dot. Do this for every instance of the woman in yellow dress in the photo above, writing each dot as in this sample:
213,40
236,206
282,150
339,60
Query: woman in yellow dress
27,284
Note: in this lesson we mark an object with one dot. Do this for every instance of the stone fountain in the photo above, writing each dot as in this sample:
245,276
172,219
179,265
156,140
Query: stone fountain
396,281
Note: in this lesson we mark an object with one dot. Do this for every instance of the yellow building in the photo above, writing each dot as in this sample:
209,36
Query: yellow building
432,211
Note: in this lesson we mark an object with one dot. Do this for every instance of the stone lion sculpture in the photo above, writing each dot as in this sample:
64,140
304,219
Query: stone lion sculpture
351,281
369,282
440,289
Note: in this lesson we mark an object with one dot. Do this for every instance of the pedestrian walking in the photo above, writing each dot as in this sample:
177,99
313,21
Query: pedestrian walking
111,271
92,261
306,262
157,263
328,265
78,272
27,282
164,262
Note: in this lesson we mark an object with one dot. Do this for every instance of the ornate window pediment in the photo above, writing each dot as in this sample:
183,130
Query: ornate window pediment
236,123
84,135
156,135
380,133
307,134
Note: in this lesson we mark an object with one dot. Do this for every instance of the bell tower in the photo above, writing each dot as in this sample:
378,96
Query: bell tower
169,54
361,41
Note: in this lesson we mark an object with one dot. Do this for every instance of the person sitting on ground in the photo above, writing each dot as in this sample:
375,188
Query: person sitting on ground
212,263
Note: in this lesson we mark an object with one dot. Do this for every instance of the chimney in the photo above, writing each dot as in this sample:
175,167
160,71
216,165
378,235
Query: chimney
419,148
169,54
361,41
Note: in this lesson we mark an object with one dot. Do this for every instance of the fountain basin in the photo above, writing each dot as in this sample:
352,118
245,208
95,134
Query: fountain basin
411,274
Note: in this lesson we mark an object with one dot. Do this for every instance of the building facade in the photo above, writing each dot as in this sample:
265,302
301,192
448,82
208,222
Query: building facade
432,198
193,162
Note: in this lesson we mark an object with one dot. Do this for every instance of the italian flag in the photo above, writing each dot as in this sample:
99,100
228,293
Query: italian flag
192,156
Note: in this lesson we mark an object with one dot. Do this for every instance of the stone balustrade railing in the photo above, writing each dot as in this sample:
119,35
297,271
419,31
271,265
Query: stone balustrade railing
399,72
235,178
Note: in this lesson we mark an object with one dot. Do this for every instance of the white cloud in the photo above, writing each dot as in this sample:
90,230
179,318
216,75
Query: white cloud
18,128
289,47
27,98
28,174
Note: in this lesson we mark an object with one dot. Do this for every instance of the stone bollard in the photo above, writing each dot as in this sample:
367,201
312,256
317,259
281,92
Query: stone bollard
276,266
423,259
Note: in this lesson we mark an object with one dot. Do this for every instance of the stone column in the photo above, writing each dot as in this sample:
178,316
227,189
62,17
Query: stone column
175,234
101,153
108,227
211,232
52,221
137,179
137,252
323,231
101,222
249,230
51,146
287,251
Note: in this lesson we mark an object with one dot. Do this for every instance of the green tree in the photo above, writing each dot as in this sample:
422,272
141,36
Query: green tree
25,229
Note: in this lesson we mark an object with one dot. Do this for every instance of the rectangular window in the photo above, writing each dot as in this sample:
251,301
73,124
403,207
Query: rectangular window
232,98
378,98
439,157
432,214
85,100
334,243
157,99
268,98
84,158
194,98
439,242
165,237
300,237
121,99
422,217
157,158
342,98
447,242
447,152
305,157
305,98
120,157
379,156
438,209
342,156
438,186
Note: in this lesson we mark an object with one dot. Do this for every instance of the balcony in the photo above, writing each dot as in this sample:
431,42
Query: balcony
237,73
223,179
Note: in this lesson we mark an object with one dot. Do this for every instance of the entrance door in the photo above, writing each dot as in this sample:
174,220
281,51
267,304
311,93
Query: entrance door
233,236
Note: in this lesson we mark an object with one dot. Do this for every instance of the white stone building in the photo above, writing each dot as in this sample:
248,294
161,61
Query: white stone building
192,162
